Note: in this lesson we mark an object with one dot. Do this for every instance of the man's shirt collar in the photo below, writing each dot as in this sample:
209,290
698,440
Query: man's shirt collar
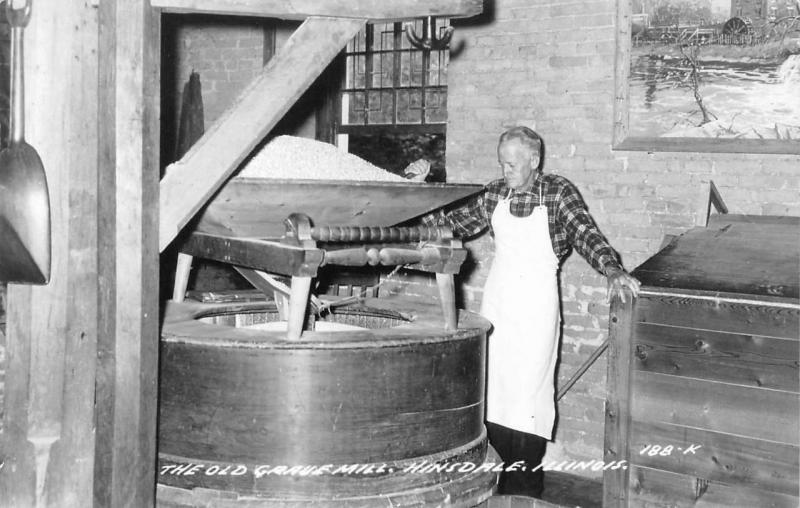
535,184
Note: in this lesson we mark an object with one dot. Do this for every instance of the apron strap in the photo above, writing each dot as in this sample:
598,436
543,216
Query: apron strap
541,193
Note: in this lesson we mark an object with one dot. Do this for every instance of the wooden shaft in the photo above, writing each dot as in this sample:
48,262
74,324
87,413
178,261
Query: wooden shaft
298,302
376,234
182,271
347,257
17,121
588,363
387,256
447,295
390,256
393,256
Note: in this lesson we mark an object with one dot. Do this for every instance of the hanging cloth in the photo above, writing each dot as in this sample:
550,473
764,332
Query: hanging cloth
191,125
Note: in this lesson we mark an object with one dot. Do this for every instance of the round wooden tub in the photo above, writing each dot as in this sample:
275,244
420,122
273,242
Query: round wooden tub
387,415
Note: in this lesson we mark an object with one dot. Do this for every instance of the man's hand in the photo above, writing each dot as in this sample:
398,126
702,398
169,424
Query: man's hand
618,281
417,171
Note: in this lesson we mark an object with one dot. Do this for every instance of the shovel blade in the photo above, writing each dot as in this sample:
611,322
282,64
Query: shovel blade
24,217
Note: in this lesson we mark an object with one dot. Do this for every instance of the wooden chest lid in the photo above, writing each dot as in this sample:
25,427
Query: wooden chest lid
740,254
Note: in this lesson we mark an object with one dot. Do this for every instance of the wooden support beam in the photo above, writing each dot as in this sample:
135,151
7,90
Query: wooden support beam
618,402
373,10
126,396
190,182
80,402
47,447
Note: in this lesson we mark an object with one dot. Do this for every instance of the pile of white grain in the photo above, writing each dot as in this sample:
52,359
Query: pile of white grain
295,158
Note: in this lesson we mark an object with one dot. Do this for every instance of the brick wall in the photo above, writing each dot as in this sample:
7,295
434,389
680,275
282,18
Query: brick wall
227,53
550,65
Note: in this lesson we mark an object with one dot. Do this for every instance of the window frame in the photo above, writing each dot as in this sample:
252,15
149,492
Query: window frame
369,51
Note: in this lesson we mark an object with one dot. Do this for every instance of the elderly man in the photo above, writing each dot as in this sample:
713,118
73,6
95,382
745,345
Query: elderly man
536,219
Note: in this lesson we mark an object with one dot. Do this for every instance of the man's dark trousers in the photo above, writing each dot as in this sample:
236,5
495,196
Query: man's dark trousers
514,446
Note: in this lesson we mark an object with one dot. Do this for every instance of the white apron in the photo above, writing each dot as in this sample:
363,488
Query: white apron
521,300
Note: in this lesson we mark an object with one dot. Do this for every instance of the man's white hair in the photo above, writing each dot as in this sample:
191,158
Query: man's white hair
526,136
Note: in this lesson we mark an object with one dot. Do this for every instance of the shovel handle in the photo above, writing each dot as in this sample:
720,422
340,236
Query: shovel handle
18,17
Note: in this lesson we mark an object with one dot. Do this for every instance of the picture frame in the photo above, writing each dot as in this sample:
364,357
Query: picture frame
723,130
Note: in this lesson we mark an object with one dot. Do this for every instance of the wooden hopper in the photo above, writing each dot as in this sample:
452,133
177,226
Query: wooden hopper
257,207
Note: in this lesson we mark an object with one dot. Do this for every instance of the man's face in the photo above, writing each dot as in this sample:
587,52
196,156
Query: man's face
518,162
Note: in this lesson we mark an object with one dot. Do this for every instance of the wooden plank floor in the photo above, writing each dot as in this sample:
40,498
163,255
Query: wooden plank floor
561,490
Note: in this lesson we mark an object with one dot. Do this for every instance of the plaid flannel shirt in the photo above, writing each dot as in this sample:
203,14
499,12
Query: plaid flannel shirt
568,218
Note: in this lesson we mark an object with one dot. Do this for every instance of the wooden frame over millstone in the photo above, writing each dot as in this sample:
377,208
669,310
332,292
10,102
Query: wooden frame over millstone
297,254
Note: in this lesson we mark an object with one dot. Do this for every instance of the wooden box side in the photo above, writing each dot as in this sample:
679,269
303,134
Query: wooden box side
713,402
617,405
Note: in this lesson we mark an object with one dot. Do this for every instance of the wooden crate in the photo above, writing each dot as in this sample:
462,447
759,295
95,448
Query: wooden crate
703,383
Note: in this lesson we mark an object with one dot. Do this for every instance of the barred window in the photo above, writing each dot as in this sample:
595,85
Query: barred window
388,82
392,100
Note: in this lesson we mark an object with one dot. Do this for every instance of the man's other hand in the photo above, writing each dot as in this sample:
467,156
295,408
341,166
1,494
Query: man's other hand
618,281
417,171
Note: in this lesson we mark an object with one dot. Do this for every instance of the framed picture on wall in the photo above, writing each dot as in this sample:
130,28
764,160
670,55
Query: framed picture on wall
708,76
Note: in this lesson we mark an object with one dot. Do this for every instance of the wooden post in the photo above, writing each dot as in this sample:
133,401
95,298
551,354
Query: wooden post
447,296
127,376
298,304
183,269
618,415
47,444
622,70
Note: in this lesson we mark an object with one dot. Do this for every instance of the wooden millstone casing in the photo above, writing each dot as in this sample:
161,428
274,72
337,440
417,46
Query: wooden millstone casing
391,396
704,390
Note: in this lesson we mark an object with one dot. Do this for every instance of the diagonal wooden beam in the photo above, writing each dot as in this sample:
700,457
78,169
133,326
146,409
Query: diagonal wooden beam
191,181
373,10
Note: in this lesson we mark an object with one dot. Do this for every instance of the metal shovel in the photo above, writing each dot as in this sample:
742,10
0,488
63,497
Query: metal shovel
24,198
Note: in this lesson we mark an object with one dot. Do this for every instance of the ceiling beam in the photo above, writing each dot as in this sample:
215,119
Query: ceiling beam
372,10
191,181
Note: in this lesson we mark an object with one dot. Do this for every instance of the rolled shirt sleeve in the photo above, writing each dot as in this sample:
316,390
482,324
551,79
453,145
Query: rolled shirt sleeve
582,231
467,220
